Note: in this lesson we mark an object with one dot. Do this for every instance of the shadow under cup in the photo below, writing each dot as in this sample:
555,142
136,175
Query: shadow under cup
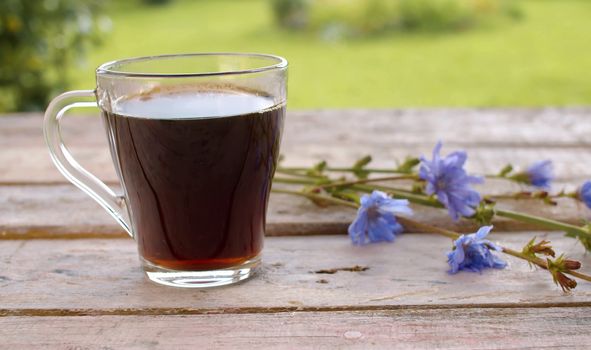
195,141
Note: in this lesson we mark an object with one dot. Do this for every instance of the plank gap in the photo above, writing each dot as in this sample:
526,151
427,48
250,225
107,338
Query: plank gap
276,310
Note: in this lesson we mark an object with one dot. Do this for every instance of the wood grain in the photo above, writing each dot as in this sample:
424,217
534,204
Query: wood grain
62,211
493,137
36,202
61,277
89,292
513,328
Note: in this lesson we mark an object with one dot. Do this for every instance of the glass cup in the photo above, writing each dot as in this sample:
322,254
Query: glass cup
195,140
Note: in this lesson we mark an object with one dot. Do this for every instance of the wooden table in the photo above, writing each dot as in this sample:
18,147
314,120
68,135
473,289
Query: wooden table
70,278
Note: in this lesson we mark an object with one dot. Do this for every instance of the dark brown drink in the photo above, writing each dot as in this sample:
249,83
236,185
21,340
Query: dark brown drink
196,166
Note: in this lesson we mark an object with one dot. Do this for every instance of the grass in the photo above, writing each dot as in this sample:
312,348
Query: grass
545,59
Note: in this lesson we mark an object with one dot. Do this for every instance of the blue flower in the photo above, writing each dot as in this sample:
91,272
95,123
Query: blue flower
585,193
540,174
472,252
447,179
375,218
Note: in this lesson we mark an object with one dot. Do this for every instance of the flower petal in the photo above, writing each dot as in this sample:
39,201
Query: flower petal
375,219
359,227
447,179
483,232
475,253
585,193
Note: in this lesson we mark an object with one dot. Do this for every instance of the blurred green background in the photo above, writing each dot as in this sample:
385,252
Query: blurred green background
342,53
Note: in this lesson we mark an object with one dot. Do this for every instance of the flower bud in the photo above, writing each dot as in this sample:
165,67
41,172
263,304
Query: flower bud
572,264
543,247
485,213
565,283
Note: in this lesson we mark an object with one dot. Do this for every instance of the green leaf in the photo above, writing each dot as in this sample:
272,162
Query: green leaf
358,167
506,170
317,169
408,165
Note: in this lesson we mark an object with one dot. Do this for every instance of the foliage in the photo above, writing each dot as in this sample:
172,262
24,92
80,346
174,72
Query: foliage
155,2
291,13
341,18
519,64
38,41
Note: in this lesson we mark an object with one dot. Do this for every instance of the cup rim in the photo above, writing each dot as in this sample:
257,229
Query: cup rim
107,68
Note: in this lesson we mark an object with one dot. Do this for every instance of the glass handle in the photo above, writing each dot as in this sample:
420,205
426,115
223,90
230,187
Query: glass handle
69,167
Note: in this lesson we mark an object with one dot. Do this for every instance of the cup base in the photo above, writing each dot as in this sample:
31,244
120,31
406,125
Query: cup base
201,279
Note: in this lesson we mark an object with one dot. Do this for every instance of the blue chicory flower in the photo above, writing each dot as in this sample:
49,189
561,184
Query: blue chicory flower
585,193
375,219
473,253
540,174
447,179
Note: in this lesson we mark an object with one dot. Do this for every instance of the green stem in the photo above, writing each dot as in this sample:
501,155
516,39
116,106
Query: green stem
540,262
427,228
519,196
293,181
403,194
431,202
532,195
297,173
399,192
548,223
318,197
371,170
578,275
347,170
364,181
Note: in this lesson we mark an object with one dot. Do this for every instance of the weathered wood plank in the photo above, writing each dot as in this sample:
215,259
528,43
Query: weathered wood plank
58,277
33,165
62,211
492,136
404,298
513,328
43,211
528,126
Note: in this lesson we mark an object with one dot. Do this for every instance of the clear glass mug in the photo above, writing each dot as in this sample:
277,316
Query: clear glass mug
195,140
